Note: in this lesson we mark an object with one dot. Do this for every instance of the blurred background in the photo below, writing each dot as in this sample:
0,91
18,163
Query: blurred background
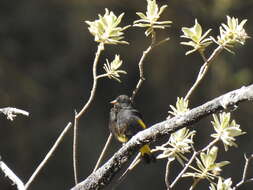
46,56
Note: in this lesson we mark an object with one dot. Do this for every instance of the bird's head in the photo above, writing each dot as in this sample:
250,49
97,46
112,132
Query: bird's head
122,101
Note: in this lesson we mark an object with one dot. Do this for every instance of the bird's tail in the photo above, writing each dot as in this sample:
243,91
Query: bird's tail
146,154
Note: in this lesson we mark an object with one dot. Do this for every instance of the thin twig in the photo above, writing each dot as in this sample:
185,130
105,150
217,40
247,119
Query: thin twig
210,145
203,56
162,41
84,109
195,182
75,160
140,64
203,70
245,172
184,170
195,154
12,176
167,170
134,163
109,139
141,79
48,156
102,76
93,90
246,167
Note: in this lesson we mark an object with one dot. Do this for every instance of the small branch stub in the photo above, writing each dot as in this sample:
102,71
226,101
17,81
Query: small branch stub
11,113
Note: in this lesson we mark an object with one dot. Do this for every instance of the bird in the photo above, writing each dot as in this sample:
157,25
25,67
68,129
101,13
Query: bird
125,121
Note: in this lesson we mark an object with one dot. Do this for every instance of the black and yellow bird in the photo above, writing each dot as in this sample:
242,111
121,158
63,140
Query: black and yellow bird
125,122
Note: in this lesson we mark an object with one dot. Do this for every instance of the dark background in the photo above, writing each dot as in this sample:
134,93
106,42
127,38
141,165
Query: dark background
46,56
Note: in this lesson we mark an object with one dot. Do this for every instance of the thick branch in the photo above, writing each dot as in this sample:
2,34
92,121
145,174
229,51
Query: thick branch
103,176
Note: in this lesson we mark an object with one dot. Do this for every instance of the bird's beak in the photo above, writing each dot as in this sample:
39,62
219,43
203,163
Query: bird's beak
113,102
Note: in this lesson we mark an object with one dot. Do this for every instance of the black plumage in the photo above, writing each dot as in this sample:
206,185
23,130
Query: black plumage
125,121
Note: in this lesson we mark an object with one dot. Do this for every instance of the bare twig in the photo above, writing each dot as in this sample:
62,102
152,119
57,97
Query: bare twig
203,56
84,109
162,41
12,176
103,176
141,79
188,164
102,76
245,172
75,160
47,157
195,182
209,145
134,163
93,90
11,113
184,169
167,170
109,139
203,70
141,62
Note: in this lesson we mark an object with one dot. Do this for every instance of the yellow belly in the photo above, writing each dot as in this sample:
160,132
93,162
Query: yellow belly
122,138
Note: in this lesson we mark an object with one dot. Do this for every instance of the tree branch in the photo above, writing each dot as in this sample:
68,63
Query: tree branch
48,156
203,70
11,113
245,172
84,109
103,176
12,176
109,139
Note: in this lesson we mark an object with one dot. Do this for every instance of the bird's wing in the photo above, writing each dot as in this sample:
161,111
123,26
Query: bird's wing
138,117
130,122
